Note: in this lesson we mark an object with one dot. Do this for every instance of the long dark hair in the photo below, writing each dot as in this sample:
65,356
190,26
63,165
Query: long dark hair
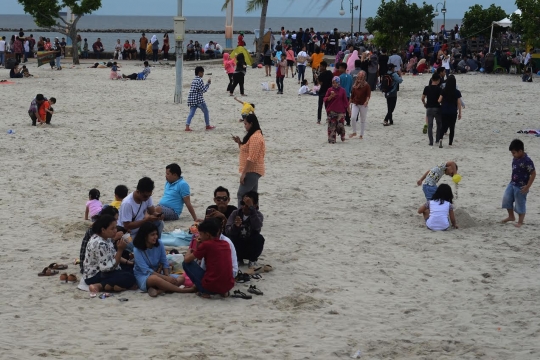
449,91
240,59
443,193
140,239
252,119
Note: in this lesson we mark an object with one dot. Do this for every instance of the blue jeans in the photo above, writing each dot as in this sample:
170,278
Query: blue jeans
2,58
204,109
429,190
514,199
58,62
301,71
196,274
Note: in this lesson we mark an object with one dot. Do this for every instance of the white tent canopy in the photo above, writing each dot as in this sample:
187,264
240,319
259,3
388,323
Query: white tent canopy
506,22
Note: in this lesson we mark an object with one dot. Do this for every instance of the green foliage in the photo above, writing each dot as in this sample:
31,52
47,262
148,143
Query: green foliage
528,23
45,12
477,21
397,19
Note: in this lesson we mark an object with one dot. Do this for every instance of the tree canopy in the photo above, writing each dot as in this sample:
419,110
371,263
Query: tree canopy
46,14
477,21
528,23
397,19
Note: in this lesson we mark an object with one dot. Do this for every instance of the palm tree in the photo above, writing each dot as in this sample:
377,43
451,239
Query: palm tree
253,5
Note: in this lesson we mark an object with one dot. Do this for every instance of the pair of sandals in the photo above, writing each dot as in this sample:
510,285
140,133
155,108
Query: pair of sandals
68,278
241,295
51,270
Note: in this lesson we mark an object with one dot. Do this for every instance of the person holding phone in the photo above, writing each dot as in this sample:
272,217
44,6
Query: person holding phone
221,209
175,195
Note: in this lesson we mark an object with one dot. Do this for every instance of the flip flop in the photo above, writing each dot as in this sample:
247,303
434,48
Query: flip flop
268,268
253,289
48,272
56,266
64,277
242,278
72,278
240,295
256,276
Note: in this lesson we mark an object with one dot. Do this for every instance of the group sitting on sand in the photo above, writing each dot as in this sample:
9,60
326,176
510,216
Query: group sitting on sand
110,261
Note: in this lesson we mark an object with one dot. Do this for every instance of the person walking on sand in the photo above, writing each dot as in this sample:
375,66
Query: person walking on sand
390,87
196,98
523,175
336,106
360,95
143,44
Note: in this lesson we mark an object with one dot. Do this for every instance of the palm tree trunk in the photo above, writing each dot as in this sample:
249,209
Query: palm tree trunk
262,25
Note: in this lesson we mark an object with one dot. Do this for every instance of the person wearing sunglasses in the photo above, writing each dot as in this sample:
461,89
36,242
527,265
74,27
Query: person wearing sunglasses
221,209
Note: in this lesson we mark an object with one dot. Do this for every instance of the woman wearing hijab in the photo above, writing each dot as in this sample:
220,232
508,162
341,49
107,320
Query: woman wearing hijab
339,57
155,48
373,72
351,60
360,95
336,106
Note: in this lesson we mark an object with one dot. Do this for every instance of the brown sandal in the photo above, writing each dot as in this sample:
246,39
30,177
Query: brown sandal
56,266
64,277
72,278
48,272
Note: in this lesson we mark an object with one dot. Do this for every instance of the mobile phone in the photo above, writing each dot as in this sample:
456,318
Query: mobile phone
209,211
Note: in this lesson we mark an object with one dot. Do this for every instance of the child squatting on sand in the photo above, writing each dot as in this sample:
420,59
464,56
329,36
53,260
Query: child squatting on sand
437,210
523,175
432,177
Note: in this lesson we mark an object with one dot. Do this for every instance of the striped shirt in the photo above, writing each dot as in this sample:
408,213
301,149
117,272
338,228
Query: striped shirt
253,151
195,96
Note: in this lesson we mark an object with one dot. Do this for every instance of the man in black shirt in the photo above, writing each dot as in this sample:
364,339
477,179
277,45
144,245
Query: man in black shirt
433,108
222,209
325,81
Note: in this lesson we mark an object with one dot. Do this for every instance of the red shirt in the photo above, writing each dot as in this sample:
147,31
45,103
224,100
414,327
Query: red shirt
217,254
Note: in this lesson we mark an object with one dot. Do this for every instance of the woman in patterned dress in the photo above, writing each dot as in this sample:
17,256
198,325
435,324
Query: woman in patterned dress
337,105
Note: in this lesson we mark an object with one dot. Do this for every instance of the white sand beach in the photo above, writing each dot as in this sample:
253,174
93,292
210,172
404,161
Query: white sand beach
355,267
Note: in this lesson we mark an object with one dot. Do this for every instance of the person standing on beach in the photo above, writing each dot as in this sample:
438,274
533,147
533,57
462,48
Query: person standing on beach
143,44
396,60
252,152
523,175
325,81
336,107
450,101
155,48
166,47
391,93
196,98
239,74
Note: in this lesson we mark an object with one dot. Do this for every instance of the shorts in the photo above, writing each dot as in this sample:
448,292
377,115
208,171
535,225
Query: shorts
290,63
514,199
429,190
169,213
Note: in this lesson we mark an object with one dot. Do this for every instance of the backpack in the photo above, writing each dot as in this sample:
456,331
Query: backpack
387,83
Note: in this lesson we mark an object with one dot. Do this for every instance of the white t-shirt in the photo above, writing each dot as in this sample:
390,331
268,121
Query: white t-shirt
302,53
233,256
438,215
446,62
27,46
303,90
131,211
2,46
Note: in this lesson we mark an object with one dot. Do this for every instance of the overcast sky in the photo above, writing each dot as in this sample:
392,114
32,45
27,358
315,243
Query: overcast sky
276,8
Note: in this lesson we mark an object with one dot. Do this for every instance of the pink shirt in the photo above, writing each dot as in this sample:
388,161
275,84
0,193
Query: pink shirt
94,207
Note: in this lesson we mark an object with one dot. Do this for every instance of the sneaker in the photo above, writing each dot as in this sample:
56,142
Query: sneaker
253,264
210,127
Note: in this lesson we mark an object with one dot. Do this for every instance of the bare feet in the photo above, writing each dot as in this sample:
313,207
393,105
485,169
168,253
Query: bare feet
153,292
352,135
508,219
360,137
94,289
518,225
204,296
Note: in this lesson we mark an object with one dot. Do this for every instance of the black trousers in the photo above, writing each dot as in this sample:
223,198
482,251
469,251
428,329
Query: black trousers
142,54
131,77
347,117
448,122
319,108
231,81
391,104
279,82
238,79
250,248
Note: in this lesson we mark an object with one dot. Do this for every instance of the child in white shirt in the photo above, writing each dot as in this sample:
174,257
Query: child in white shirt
437,210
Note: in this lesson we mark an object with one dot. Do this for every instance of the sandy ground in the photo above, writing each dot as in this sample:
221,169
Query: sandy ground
355,266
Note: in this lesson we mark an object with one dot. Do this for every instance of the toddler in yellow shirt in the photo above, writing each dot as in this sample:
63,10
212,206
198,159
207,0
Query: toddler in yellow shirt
120,192
247,108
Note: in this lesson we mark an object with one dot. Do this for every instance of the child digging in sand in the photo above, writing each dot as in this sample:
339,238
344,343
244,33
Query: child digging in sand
247,108
93,205
437,210
432,177
523,175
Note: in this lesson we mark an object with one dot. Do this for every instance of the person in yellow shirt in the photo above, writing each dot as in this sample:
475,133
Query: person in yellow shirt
120,192
247,108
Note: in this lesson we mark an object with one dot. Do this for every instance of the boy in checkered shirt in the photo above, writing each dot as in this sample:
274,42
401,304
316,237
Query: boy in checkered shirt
196,98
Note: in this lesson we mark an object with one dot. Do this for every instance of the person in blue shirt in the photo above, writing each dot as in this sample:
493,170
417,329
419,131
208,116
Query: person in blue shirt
346,82
175,195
